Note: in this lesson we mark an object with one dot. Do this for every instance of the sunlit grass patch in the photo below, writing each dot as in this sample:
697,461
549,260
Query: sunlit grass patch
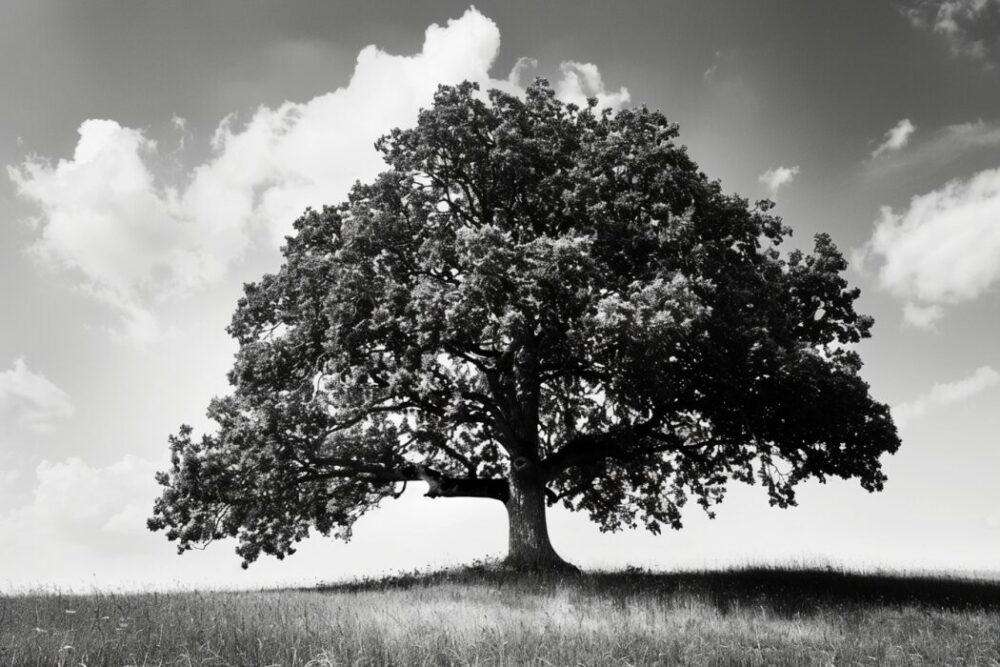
480,616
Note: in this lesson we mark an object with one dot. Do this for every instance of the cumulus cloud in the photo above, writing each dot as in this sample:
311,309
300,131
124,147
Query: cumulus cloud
970,27
518,73
896,138
135,241
775,179
581,81
85,504
944,248
948,393
104,217
83,525
32,400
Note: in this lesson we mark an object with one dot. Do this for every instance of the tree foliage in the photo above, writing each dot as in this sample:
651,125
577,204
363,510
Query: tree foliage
529,285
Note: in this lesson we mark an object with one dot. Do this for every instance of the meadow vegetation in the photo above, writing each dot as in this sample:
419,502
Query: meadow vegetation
484,616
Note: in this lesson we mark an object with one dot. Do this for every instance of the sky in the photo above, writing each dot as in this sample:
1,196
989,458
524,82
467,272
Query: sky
157,153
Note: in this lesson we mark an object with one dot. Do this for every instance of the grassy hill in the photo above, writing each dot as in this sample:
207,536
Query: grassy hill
479,616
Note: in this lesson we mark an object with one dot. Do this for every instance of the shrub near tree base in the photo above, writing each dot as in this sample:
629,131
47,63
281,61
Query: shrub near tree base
538,304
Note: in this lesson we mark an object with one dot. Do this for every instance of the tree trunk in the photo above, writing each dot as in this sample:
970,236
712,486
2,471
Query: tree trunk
529,547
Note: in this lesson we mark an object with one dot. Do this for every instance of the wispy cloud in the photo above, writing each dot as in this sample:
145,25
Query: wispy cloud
31,400
777,178
135,241
944,248
940,147
724,66
922,316
971,28
947,393
896,138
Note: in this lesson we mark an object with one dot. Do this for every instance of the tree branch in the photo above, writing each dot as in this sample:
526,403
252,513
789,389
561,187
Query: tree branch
452,487
439,484
623,444
458,456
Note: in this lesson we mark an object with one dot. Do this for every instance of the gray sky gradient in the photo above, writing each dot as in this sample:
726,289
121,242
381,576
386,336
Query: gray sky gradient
124,244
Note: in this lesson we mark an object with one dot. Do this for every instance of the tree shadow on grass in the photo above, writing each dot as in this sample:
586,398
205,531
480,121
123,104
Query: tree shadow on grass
782,591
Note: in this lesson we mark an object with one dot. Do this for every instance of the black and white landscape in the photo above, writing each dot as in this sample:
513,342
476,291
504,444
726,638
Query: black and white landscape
158,156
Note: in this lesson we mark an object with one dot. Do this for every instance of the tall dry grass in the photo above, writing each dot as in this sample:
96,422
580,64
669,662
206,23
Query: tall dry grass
484,617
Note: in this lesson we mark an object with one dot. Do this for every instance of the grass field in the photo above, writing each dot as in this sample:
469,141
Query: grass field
479,616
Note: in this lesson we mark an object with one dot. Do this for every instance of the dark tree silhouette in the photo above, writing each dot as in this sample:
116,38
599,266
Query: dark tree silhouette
536,303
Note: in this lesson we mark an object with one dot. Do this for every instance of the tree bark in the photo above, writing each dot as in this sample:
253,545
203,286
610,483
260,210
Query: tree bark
529,547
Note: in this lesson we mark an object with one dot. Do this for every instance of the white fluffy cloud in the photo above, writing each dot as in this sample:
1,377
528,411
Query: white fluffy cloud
79,502
896,138
948,393
31,400
581,81
135,241
944,248
104,217
775,179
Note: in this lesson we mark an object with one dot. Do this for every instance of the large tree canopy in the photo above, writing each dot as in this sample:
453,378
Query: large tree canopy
535,302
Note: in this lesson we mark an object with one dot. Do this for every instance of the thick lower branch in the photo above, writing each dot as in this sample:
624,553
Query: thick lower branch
624,444
448,487
439,484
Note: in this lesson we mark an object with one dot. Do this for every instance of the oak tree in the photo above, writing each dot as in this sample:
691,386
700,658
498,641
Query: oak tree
536,303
